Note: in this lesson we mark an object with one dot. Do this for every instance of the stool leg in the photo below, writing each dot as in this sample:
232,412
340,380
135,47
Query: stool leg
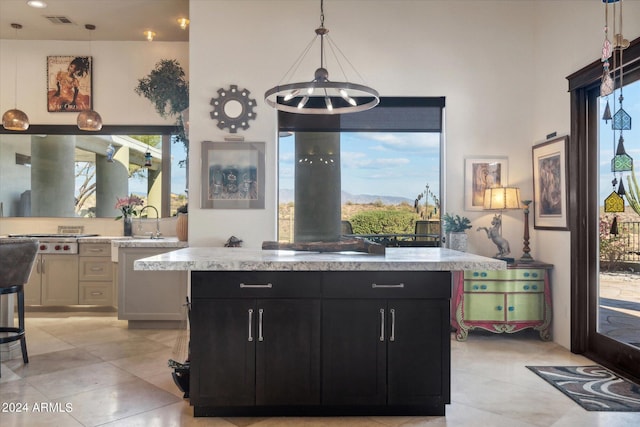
23,340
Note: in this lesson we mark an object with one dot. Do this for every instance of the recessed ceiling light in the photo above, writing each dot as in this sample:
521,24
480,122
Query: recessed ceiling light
37,3
149,35
183,22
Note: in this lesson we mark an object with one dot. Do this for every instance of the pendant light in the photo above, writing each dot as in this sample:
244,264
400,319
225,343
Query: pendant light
321,95
15,119
90,120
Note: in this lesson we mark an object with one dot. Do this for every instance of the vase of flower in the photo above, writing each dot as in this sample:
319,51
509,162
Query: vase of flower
129,208
182,223
128,225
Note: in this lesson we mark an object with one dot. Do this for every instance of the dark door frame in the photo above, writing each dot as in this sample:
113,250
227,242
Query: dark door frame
584,86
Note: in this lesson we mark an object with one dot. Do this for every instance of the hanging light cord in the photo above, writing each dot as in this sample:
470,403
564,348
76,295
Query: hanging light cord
15,89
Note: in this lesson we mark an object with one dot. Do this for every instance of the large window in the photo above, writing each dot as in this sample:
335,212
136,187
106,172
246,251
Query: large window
390,161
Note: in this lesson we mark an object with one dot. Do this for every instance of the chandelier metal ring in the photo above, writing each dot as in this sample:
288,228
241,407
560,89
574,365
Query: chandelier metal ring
275,97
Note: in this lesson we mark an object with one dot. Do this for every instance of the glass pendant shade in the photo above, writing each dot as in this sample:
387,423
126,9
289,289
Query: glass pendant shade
89,121
15,120
621,162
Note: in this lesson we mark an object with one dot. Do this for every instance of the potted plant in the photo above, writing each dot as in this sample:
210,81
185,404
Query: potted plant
455,228
167,88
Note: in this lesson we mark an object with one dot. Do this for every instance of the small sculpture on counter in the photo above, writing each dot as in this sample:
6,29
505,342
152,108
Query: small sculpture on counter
233,242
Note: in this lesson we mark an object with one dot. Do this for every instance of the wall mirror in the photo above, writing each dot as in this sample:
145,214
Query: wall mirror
59,171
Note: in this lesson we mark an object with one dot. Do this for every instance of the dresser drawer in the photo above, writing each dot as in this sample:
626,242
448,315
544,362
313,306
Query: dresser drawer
497,286
509,274
96,269
95,249
96,293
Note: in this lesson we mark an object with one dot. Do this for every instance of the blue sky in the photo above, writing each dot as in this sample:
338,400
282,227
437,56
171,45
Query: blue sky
378,163
608,144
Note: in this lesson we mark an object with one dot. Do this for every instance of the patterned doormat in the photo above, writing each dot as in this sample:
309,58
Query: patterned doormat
592,387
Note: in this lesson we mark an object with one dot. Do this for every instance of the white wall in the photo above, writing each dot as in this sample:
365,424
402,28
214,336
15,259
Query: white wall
117,68
501,65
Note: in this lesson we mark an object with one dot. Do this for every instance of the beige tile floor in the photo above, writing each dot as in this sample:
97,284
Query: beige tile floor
88,369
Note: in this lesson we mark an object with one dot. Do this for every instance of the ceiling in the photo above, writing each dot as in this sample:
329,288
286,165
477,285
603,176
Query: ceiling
118,20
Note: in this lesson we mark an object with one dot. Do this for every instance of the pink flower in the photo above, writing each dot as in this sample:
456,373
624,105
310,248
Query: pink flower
128,205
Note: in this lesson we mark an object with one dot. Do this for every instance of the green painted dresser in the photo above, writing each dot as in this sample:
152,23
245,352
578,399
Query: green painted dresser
502,301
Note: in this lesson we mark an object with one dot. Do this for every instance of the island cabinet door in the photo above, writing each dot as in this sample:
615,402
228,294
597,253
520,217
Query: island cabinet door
354,365
418,344
288,352
223,352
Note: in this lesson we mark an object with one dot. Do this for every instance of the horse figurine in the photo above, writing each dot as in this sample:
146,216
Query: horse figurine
495,234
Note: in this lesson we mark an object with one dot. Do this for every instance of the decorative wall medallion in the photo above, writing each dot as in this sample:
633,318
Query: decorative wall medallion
233,108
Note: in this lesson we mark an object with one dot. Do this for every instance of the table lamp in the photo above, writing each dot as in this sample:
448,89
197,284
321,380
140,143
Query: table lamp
500,199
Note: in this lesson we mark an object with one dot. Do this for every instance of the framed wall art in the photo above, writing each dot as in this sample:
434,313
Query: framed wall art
480,174
550,184
232,175
69,83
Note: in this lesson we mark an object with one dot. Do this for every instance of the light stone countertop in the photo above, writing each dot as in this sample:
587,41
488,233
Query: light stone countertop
248,259
100,239
145,242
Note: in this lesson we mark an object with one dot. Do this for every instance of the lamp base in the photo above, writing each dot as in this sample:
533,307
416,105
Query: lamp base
526,258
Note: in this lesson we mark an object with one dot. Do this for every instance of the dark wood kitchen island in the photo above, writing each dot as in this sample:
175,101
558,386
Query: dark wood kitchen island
305,333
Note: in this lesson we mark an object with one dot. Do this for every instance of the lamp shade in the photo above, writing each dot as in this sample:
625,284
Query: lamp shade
89,121
501,198
15,120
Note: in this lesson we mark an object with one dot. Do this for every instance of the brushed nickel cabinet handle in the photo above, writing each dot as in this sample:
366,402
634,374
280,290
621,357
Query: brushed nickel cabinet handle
96,293
258,285
393,325
96,268
396,285
250,322
42,266
260,314
38,266
382,324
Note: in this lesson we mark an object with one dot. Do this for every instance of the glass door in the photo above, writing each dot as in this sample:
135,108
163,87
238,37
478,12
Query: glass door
618,302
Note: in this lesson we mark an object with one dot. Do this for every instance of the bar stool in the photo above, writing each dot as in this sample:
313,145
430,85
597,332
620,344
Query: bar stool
16,260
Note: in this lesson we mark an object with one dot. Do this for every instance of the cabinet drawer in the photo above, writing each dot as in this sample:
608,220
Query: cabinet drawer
508,274
95,268
387,284
258,284
497,286
95,249
96,293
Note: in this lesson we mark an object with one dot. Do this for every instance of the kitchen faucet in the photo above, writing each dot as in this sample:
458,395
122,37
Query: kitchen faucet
157,235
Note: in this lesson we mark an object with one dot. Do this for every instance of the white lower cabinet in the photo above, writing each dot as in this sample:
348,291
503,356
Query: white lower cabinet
149,299
53,280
